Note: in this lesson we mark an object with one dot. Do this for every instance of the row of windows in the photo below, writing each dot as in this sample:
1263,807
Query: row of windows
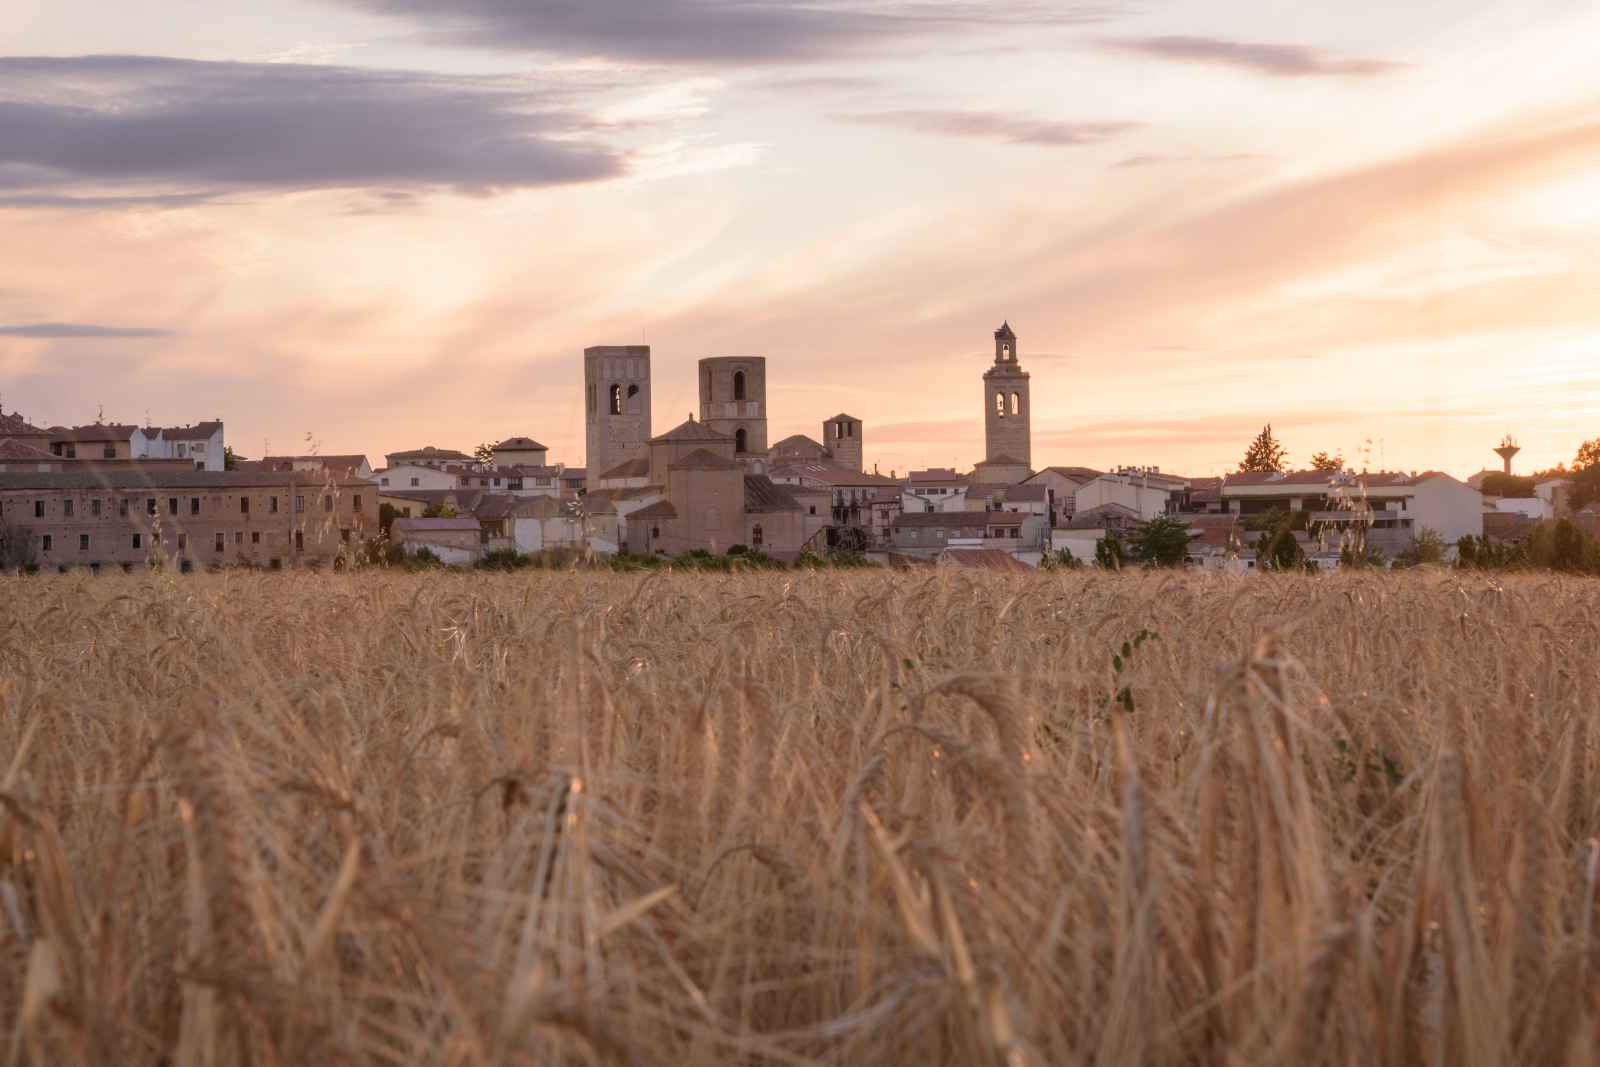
152,505
914,533
219,542
1000,404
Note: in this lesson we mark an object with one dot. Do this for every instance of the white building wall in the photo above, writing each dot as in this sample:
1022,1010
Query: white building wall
1450,508
408,476
1113,489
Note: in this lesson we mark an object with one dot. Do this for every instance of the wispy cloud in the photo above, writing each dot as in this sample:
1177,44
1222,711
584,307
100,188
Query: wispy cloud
994,126
1277,60
51,331
717,31
125,124
94,203
1163,160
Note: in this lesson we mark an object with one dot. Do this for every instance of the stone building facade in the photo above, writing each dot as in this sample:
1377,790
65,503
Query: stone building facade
1008,435
102,518
733,401
616,404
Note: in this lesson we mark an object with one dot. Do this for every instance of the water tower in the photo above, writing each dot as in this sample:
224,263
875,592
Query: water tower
1508,448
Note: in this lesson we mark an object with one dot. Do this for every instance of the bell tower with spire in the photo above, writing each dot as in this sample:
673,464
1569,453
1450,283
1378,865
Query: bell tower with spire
1007,419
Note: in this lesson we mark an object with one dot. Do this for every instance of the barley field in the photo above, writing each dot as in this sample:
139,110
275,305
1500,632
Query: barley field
798,818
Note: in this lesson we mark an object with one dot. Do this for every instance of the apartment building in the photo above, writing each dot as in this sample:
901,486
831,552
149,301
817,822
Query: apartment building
109,517
1388,509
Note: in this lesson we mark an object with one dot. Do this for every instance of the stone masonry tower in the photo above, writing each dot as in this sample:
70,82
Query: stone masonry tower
616,405
841,435
733,401
1007,420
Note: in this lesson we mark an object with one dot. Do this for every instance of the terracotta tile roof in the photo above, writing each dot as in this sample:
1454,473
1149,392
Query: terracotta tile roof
1095,518
456,525
177,474
798,444
704,460
762,494
200,431
97,432
661,509
14,425
957,519
1027,494
691,431
1077,474
631,468
520,444
831,474
342,466
17,451
429,452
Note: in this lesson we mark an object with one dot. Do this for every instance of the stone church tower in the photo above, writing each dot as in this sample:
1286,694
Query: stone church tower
1008,431
616,405
733,401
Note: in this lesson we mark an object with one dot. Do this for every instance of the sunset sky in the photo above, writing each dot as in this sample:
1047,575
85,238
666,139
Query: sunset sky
364,225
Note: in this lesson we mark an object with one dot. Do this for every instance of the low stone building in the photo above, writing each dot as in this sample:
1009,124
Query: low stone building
930,534
457,541
134,515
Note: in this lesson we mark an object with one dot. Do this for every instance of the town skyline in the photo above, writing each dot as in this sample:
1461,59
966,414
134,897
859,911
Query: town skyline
1358,226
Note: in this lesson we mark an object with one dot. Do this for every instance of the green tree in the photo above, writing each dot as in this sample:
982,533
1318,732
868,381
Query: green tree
1108,553
1278,550
484,454
387,513
439,511
230,458
1426,547
1515,486
1161,542
1264,453
1588,456
1324,462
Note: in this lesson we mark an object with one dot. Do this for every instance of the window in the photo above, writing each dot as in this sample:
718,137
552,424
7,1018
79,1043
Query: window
813,509
355,502
276,564
757,535
838,430
383,481
1005,351
72,451
183,542
219,541
633,391
238,537
1000,405
300,501
738,385
110,452
83,542
616,400
272,504
94,508
327,502
138,540
415,482
194,505
244,505
655,533
122,507
47,542
1016,404
255,537
299,540
172,505
66,507
344,536
741,440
